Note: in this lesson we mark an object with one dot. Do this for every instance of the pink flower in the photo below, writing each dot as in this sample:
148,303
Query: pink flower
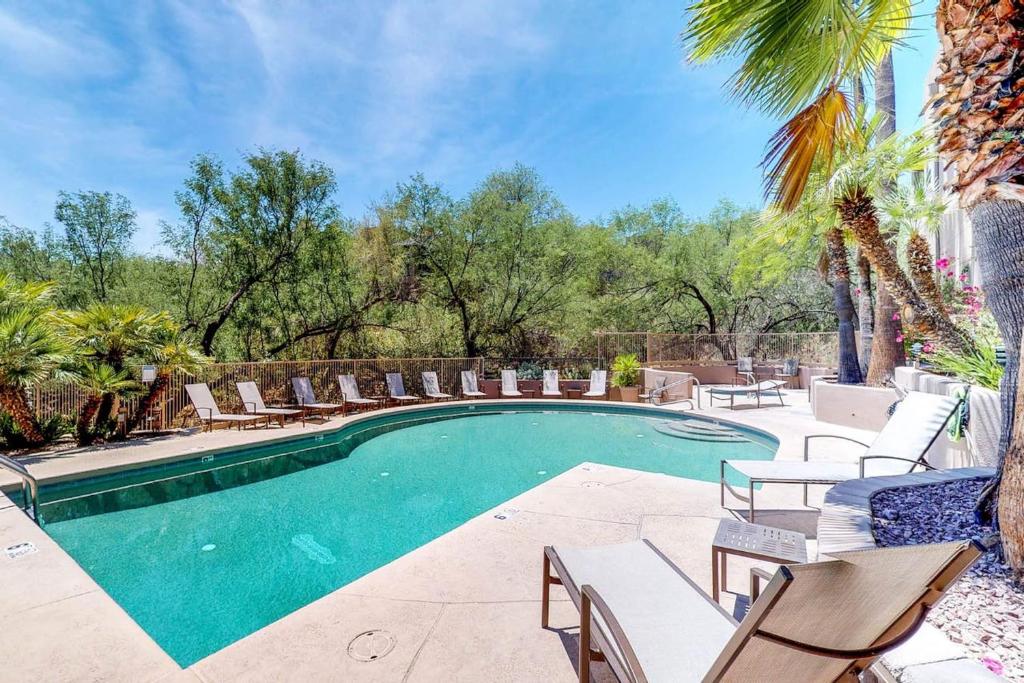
856,292
928,347
993,665
967,288
895,316
899,337
963,277
942,263
950,273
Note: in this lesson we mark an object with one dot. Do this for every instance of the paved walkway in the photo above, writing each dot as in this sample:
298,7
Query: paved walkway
464,607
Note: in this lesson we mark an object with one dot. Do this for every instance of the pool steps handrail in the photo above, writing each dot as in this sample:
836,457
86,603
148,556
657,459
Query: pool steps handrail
29,486
663,389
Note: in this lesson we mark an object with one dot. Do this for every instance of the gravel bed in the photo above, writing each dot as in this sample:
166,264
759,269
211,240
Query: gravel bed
984,611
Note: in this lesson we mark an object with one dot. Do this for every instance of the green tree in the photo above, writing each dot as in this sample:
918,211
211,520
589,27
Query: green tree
98,229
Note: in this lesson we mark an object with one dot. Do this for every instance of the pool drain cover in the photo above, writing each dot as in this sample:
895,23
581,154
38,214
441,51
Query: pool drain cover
369,646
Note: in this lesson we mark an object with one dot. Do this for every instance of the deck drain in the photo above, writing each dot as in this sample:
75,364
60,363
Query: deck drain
20,550
369,646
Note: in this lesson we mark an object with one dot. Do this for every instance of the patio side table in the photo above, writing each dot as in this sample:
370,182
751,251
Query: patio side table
755,541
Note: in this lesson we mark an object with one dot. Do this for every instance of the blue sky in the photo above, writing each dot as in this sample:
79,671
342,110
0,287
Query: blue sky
595,95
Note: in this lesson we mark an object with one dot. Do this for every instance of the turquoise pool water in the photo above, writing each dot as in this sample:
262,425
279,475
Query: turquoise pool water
202,559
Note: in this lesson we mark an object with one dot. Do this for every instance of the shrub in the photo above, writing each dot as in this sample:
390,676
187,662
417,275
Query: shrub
52,428
626,371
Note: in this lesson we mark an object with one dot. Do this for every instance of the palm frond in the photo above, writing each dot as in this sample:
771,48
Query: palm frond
790,51
811,136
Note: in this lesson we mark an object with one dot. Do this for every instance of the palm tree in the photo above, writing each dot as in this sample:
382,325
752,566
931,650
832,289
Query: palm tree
31,351
977,111
112,334
98,380
176,354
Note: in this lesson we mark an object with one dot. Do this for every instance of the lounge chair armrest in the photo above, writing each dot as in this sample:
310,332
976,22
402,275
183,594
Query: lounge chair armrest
200,414
246,404
807,441
589,596
915,463
756,575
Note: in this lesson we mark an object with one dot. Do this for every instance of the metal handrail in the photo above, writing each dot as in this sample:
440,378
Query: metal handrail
29,486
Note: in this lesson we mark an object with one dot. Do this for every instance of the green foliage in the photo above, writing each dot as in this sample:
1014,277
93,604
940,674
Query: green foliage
98,229
52,428
626,370
260,263
980,368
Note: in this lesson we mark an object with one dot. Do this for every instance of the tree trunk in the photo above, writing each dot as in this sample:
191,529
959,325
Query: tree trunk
999,239
922,270
14,401
886,348
839,269
1011,489
156,391
885,97
106,409
866,312
858,214
84,434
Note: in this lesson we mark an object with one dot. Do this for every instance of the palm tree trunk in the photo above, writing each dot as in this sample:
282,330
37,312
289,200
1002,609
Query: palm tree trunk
146,403
1011,490
859,215
999,239
886,347
866,312
922,270
885,97
14,401
839,269
84,434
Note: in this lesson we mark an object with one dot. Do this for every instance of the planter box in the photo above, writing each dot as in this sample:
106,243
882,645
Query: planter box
852,405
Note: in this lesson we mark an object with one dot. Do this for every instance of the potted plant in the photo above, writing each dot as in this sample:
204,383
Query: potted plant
626,378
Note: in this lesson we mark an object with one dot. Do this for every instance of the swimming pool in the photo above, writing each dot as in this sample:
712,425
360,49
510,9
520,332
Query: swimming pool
201,554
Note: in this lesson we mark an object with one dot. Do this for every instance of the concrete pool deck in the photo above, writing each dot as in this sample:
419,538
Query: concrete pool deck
465,606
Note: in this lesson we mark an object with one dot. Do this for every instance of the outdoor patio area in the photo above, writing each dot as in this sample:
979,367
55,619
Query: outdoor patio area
465,606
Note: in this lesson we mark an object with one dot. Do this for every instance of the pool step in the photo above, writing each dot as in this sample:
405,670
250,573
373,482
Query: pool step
699,432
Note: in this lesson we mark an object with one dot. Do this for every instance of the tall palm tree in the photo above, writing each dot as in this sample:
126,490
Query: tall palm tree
98,380
978,112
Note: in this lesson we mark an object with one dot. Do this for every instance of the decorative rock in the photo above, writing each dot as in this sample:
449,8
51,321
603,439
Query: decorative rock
982,611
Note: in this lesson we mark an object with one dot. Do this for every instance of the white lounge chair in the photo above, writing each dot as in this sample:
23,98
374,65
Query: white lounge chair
822,621
767,386
432,388
551,388
510,385
396,389
470,387
307,399
350,393
598,387
208,412
899,448
252,400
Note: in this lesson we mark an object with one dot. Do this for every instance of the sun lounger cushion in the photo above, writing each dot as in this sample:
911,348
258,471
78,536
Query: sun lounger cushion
431,387
917,422
509,383
787,470
672,625
598,383
304,393
551,383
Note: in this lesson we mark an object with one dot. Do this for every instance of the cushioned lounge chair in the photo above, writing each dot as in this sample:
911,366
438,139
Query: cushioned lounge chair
350,394
899,448
432,388
768,386
598,387
252,399
551,388
470,387
822,621
209,414
744,371
510,385
396,389
307,399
